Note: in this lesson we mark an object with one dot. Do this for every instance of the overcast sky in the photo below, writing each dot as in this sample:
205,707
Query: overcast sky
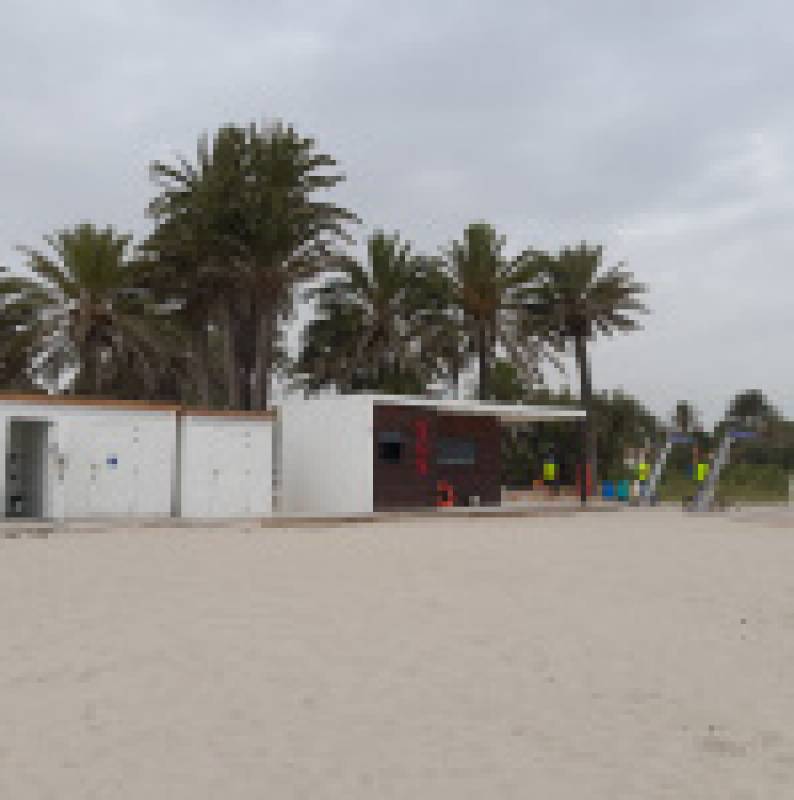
664,130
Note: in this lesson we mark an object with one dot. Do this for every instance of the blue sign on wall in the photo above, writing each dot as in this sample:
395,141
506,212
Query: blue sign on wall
112,461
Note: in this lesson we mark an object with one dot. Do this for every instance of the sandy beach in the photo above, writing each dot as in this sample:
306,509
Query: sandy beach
628,655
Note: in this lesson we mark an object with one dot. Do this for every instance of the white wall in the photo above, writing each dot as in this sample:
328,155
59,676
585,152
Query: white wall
143,445
326,454
115,461
225,466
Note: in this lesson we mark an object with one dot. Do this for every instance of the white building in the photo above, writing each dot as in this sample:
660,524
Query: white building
75,457
72,457
362,453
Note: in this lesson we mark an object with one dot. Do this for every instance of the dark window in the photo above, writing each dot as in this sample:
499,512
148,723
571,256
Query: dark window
456,451
390,447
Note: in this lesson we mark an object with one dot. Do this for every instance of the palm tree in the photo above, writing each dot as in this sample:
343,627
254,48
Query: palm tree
246,225
685,418
86,315
18,308
447,344
367,332
624,425
751,409
573,300
484,285
166,272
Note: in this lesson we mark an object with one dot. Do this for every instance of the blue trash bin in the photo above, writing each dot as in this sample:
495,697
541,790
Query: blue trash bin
607,490
623,490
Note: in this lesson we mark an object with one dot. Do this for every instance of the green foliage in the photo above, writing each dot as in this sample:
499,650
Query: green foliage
236,232
80,310
369,328
751,407
483,286
621,422
526,446
572,300
198,315
506,383
677,486
752,483
686,418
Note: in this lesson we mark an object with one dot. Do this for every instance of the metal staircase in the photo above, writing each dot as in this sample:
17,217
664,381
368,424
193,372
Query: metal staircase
650,493
704,499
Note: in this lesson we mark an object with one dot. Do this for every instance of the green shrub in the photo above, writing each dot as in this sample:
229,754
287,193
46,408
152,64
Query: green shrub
753,483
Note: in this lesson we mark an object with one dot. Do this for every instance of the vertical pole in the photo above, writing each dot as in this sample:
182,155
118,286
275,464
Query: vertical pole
584,479
5,424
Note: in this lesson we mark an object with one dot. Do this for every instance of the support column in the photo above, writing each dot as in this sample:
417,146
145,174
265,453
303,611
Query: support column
584,472
4,423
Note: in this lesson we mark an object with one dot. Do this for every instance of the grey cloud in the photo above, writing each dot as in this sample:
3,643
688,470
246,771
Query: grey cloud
662,129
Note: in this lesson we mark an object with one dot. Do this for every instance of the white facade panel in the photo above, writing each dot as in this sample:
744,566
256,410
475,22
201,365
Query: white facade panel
117,462
326,454
98,460
226,466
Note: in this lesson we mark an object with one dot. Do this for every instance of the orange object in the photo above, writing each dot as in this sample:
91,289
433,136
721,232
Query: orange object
446,494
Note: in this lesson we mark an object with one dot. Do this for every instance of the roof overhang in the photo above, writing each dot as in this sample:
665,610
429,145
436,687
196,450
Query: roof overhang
505,412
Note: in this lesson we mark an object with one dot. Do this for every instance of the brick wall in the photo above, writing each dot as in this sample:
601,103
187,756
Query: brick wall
413,482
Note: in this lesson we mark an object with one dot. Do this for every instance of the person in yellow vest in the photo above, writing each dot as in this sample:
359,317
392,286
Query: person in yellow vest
550,473
643,473
702,471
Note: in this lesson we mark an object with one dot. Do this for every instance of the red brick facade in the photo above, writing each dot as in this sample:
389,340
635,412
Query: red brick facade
417,480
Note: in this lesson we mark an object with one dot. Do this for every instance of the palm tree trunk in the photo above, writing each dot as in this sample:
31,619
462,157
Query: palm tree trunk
202,370
586,396
483,357
149,381
265,334
456,375
230,357
89,378
246,332
97,374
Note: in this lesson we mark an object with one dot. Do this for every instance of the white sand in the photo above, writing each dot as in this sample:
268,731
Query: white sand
594,656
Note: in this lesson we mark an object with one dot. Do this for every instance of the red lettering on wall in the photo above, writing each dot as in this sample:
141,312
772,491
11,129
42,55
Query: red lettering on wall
422,447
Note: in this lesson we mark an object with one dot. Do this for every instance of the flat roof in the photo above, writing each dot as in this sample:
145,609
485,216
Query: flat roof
83,400
186,411
126,405
506,412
